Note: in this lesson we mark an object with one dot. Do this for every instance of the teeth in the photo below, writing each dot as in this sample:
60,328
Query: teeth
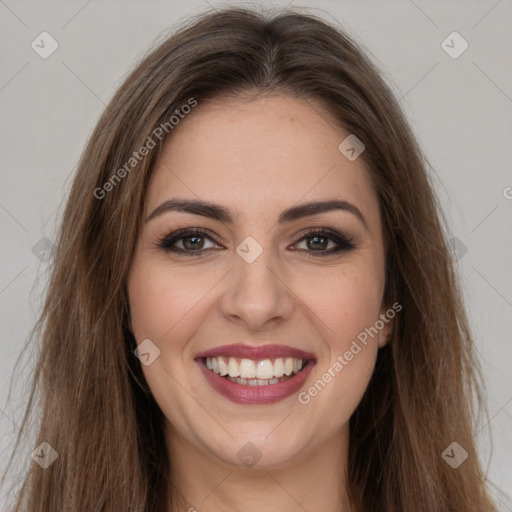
254,373
278,368
247,369
233,368
223,367
264,369
253,382
288,366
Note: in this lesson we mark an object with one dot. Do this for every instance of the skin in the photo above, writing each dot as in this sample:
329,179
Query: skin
258,157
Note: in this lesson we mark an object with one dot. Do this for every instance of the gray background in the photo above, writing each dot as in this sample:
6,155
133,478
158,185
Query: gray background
460,109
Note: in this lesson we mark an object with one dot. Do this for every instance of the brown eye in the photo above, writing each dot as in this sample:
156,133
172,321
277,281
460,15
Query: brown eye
326,242
191,240
317,242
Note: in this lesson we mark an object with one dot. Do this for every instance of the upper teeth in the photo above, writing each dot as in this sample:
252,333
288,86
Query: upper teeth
249,369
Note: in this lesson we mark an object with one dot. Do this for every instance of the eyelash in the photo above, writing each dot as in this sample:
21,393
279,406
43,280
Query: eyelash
345,243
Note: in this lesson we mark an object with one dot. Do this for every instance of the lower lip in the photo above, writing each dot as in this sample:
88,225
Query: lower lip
256,395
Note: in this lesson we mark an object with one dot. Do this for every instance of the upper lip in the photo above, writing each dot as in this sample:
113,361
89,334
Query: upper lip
256,352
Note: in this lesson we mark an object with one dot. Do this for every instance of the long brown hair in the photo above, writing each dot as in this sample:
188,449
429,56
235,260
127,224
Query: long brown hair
96,410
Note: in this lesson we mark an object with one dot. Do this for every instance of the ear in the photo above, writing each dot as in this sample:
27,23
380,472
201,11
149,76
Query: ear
386,323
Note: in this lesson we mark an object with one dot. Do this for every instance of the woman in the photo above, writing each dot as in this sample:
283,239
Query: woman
252,304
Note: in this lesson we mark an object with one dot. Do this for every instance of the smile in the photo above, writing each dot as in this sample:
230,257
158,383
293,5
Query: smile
255,375
249,372
253,390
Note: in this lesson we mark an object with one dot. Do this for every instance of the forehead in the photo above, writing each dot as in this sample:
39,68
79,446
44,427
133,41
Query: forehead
258,155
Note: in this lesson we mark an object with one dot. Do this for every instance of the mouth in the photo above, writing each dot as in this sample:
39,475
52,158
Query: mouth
253,381
255,373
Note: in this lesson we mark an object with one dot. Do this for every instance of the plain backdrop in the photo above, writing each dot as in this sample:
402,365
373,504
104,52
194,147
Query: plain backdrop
459,105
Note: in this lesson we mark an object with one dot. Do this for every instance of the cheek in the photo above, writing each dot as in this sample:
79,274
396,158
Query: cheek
162,308
161,298
346,305
344,301
334,395
166,308
342,376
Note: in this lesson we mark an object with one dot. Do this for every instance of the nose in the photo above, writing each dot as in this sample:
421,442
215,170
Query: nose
258,294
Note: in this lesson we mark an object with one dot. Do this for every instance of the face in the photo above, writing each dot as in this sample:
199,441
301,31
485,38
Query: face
265,319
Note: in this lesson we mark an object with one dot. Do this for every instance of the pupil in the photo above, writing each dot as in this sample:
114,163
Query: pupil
193,245
316,238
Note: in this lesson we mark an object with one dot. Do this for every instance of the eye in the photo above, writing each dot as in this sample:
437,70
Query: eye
317,242
192,241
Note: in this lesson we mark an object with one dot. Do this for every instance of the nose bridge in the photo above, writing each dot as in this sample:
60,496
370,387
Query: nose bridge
256,293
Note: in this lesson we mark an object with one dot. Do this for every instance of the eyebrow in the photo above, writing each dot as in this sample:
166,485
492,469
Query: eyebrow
222,214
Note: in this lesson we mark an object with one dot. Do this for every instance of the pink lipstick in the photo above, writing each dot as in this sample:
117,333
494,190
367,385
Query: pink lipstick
256,375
